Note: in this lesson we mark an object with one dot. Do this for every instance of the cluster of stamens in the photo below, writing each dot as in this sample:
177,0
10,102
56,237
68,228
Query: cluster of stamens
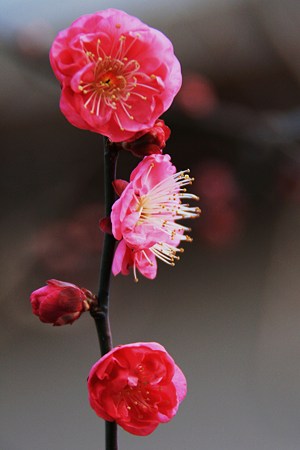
162,206
115,79
137,397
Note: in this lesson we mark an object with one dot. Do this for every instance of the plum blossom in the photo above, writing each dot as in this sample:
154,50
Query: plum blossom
145,216
117,74
138,386
60,303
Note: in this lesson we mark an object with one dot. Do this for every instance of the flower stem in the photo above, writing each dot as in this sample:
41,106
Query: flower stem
101,311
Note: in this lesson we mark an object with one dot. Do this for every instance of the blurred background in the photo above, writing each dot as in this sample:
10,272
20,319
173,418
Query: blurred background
229,311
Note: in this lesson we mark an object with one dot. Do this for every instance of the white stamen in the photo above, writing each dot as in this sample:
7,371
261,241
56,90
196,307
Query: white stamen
134,273
147,258
118,121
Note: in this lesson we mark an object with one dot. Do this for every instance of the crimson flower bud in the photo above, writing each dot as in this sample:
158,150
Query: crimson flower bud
59,302
149,141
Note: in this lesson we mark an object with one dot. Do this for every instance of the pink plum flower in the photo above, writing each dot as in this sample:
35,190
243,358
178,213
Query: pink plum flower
138,386
117,74
145,216
60,303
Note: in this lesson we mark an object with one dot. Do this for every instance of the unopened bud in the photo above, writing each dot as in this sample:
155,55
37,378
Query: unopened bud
149,141
60,303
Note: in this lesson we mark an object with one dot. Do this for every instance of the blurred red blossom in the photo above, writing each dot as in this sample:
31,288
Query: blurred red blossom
197,96
60,303
70,246
33,38
137,385
149,141
222,203
117,74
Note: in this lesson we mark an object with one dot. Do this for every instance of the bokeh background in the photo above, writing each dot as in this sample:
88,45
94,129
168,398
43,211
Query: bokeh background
229,311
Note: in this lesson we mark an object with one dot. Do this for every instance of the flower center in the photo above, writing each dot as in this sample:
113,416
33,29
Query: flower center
115,78
109,78
110,82
137,399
